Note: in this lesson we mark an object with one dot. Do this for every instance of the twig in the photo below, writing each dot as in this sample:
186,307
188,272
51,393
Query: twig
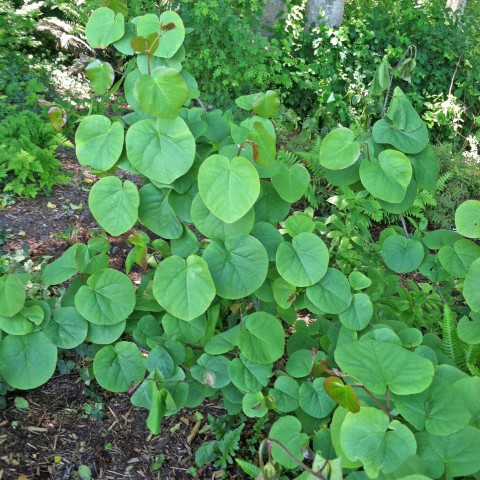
201,104
404,225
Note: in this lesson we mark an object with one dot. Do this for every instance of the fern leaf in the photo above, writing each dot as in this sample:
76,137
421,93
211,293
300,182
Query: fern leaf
249,468
472,355
451,344
230,443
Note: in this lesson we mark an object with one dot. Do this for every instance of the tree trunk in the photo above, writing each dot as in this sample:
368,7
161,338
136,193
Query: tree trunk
456,5
333,10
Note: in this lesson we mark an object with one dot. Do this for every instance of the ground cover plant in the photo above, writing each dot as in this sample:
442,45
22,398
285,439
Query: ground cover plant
349,346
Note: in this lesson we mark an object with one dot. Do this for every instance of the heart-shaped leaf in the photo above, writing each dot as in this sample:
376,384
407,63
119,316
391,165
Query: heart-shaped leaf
388,177
184,287
291,183
114,205
99,143
104,27
101,76
339,149
152,144
332,294
161,94
228,188
287,431
467,219
402,254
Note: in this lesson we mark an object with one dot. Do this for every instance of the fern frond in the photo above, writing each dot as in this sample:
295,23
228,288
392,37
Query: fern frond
442,181
288,158
230,443
249,468
451,344
472,355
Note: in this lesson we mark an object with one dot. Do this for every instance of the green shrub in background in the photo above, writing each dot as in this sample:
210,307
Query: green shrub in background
28,165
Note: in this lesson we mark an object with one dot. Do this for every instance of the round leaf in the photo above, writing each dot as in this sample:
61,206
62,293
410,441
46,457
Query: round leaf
285,394
99,143
401,254
332,294
314,400
114,206
104,27
153,144
291,183
27,361
467,219
212,227
287,431
184,288
388,177
380,364
12,295
359,312
107,299
156,213
238,267
270,207
381,445
212,370
471,292
67,328
117,367
101,76
343,394
262,338
339,149
304,261
163,93
411,142
228,188
249,376
265,104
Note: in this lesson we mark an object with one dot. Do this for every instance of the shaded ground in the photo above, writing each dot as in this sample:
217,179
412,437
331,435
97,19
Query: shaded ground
54,437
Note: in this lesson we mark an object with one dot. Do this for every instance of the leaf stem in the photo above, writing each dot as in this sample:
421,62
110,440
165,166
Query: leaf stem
270,441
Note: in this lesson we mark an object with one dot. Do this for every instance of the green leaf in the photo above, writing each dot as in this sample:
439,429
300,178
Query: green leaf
212,370
401,254
287,431
471,292
269,236
107,299
114,205
123,45
63,267
332,293
228,188
469,331
339,149
99,143
161,94
291,183
284,293
381,445
238,267
104,27
359,312
249,376
467,219
456,260
427,168
314,400
67,328
117,367
406,203
380,364
254,405
299,223
171,40
212,227
343,394
270,207
27,361
262,338
156,213
101,76
285,394
439,410
304,261
160,359
184,288
300,363
456,454
105,334
381,78
185,331
359,281
12,295
152,144
264,148
265,104
388,177
411,142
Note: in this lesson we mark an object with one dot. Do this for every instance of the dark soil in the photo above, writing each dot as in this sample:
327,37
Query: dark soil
54,437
